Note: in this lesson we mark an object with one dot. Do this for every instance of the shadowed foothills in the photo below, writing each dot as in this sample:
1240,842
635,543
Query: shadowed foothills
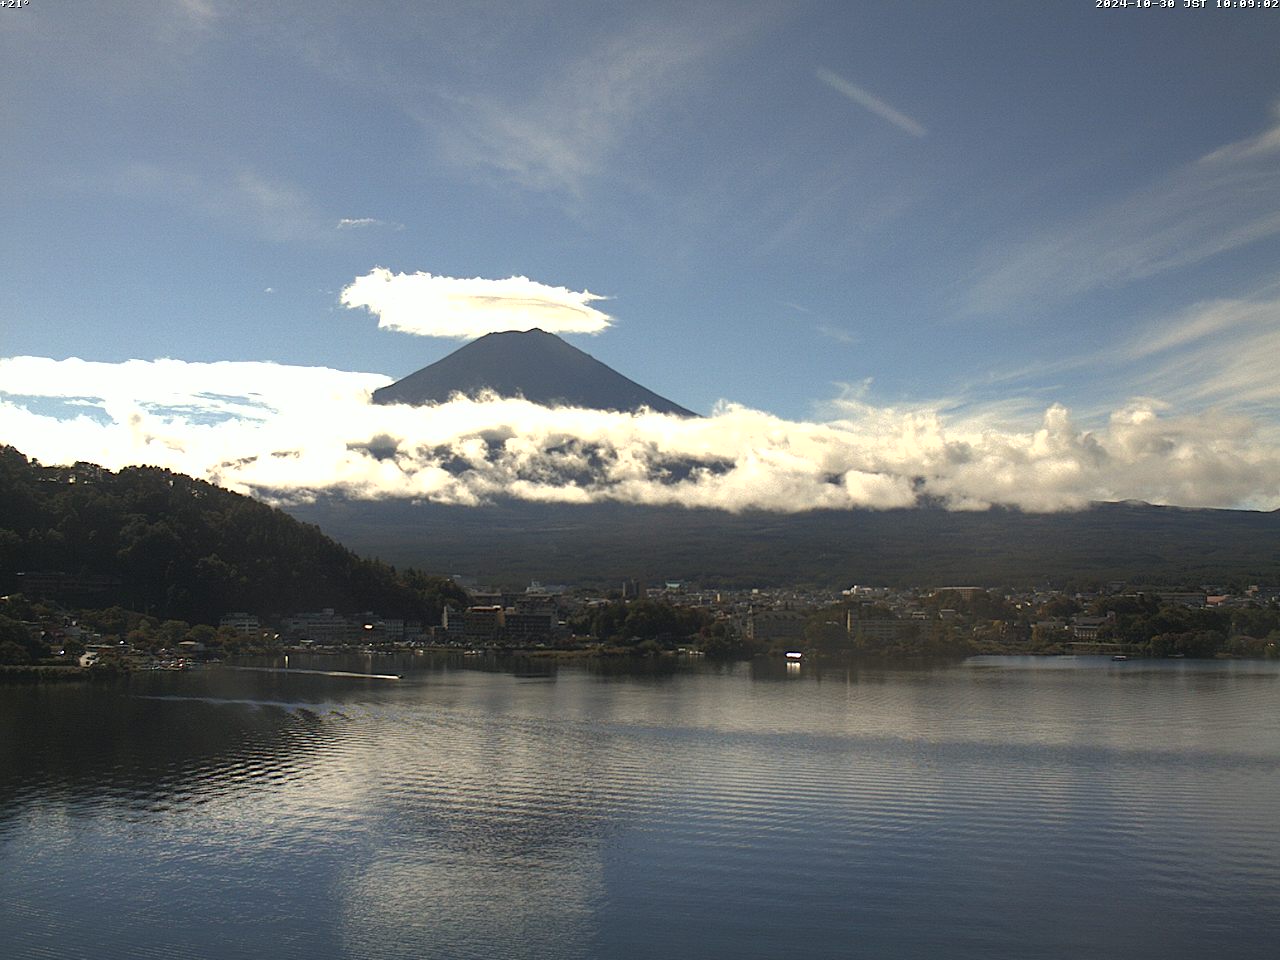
515,541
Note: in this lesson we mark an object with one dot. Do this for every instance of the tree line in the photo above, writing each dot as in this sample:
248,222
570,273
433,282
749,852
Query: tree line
176,548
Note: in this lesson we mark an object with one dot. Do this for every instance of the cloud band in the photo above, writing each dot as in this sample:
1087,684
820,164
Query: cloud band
288,432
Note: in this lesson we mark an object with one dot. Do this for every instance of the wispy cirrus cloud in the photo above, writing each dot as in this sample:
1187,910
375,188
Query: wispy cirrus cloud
872,103
289,432
243,197
869,101
201,11
837,334
1225,200
434,306
360,223
1221,352
821,325
565,132
1214,356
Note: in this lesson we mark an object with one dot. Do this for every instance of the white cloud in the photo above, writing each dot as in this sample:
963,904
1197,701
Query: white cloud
432,306
871,102
291,431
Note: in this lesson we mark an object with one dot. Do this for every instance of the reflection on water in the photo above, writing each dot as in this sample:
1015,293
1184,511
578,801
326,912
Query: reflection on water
487,808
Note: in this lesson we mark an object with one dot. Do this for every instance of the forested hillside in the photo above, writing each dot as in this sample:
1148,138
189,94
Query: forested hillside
175,547
511,542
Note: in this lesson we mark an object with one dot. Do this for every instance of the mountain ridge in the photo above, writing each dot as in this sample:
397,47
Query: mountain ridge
512,541
533,364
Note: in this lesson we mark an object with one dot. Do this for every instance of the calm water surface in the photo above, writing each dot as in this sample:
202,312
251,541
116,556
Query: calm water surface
1004,807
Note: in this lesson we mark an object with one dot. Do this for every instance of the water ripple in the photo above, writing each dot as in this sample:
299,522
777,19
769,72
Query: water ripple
970,812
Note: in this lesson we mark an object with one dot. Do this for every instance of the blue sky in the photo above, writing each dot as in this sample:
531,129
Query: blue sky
822,212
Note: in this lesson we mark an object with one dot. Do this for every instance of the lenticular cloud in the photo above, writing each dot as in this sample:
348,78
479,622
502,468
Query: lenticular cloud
464,309
289,433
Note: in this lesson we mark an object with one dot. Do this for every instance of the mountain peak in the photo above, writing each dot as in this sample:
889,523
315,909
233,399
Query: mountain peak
533,364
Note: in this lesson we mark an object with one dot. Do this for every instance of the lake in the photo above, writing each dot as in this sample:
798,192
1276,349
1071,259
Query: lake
1000,807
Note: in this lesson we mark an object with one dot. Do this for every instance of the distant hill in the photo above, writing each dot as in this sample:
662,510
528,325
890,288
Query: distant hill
166,544
536,365
513,542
